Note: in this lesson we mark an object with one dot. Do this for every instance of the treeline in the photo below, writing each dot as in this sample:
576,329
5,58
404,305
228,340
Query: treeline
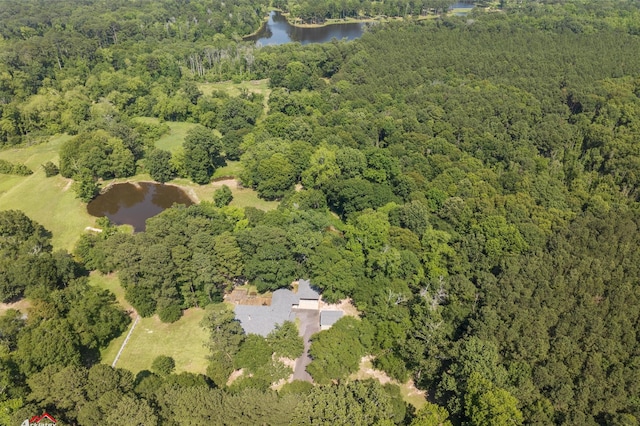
103,24
317,12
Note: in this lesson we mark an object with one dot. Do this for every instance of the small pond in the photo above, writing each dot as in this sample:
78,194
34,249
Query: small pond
134,203
277,30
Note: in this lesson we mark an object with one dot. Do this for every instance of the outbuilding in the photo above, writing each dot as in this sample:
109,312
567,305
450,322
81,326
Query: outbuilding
328,318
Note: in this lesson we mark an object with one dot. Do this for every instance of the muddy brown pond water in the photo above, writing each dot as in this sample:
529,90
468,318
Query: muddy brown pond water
134,203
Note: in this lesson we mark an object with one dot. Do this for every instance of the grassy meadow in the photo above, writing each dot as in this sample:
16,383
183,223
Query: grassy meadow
182,340
242,197
235,89
49,201
173,140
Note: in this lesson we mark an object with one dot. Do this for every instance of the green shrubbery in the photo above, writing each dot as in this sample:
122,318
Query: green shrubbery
19,169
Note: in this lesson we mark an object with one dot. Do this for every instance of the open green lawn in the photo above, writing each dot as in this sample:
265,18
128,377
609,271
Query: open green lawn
234,89
232,169
183,341
242,197
172,140
49,201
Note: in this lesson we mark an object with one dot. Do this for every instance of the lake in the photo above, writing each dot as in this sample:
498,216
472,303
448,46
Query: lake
134,203
277,30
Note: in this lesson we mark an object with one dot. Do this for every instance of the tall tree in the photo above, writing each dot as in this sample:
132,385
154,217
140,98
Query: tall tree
202,154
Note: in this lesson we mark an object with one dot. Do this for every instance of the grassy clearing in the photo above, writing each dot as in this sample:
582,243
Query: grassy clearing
183,341
411,397
49,201
234,89
172,140
249,198
232,169
242,197
459,10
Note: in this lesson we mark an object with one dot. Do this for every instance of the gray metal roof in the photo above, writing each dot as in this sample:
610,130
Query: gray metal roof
329,317
263,319
305,291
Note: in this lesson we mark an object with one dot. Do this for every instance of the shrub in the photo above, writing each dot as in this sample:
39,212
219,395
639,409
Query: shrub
50,169
8,168
222,196
163,365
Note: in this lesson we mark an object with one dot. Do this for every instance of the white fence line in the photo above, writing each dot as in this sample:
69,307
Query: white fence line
135,322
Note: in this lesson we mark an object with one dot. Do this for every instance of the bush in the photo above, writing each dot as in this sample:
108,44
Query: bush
163,365
50,169
5,167
19,169
222,196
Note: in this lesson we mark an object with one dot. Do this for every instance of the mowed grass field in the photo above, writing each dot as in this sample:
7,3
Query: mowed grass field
49,201
242,197
173,139
235,89
183,340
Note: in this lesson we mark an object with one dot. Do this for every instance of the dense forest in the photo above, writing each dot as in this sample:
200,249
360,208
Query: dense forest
471,183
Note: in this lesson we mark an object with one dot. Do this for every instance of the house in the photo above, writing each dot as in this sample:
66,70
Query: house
262,319
328,318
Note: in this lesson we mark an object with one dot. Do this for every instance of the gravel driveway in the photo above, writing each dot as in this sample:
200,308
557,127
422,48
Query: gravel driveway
309,324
